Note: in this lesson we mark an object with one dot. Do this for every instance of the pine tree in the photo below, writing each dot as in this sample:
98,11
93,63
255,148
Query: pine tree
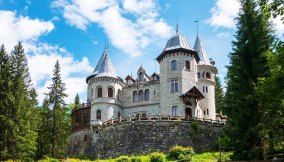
23,107
248,63
56,100
7,124
44,147
219,95
77,100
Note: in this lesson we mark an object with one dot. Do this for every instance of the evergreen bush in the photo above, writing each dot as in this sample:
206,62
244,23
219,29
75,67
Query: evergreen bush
123,159
157,157
179,153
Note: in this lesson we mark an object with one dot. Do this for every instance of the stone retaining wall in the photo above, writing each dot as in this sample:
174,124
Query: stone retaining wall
143,137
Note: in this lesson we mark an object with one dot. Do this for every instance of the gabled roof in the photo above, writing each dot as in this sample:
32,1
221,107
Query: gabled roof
198,46
193,93
104,68
128,77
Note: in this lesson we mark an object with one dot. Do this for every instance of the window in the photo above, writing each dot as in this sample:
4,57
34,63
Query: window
118,94
110,92
203,89
203,74
174,86
188,103
206,89
99,115
174,111
118,115
208,75
92,93
204,112
135,96
141,76
207,111
198,74
147,95
174,65
187,65
100,92
141,95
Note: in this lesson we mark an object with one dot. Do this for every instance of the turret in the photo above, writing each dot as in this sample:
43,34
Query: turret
178,68
104,89
206,80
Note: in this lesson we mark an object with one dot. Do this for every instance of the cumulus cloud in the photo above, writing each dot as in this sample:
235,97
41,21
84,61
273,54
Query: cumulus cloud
223,13
14,29
130,35
42,56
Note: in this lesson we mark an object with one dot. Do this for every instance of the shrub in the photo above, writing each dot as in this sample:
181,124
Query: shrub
179,153
157,157
136,159
48,160
123,159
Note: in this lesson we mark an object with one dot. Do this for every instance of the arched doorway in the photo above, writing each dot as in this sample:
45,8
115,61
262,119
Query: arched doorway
188,110
188,113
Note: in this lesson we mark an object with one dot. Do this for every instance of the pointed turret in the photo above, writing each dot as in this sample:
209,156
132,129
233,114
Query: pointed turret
198,46
104,67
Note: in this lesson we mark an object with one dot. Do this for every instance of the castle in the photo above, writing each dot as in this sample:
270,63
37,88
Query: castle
184,90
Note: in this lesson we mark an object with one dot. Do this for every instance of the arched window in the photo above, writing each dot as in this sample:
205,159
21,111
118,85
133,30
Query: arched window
135,96
147,95
174,65
207,111
100,92
110,92
187,65
208,75
141,95
141,76
99,115
92,93
206,89
118,94
174,111
188,103
198,74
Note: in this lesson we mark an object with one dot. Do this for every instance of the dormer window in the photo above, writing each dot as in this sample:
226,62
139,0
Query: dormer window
174,65
141,76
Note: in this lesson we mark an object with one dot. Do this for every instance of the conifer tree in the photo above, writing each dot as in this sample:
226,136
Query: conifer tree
219,95
77,100
7,124
248,63
56,101
23,107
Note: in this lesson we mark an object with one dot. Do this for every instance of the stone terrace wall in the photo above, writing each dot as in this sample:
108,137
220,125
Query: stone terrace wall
142,137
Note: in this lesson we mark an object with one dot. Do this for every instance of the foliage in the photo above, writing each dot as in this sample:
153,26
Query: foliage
179,153
157,157
77,100
211,157
248,62
123,159
219,95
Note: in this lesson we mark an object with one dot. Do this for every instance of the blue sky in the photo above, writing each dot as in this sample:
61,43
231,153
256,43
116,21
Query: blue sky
74,32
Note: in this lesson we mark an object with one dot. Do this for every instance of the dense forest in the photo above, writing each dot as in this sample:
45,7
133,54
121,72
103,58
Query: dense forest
253,99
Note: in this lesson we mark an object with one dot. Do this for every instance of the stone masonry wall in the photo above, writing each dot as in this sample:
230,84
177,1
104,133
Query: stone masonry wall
143,137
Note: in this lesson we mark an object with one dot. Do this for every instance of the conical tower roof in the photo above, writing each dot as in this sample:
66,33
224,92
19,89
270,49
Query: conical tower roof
198,46
177,41
105,67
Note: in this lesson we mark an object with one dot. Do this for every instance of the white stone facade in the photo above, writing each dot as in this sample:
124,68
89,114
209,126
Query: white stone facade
183,87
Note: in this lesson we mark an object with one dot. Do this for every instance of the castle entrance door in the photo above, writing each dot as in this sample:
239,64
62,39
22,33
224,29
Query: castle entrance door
188,113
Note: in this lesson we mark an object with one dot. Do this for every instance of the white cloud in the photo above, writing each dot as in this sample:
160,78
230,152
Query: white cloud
130,35
223,13
42,56
278,26
14,29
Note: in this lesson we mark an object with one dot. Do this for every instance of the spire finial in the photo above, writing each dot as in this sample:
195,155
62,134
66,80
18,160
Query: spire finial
106,42
177,26
196,21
